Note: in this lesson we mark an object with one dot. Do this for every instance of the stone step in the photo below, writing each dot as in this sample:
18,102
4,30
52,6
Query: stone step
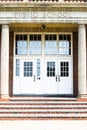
51,115
42,102
41,98
42,106
43,110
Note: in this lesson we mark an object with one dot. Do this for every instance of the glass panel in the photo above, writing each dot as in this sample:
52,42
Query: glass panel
21,45
28,69
35,44
50,44
65,44
50,69
38,68
64,69
17,67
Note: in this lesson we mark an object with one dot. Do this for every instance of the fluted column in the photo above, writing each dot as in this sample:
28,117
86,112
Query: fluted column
5,61
82,88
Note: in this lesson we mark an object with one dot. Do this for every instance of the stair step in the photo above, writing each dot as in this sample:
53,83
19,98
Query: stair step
43,110
43,106
54,115
43,102
42,98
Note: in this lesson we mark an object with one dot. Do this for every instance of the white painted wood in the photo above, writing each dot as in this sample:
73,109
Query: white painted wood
66,83
44,85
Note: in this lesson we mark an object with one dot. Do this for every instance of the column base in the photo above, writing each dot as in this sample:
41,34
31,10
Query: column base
5,96
82,96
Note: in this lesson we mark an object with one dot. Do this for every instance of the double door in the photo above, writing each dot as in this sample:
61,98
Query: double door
47,76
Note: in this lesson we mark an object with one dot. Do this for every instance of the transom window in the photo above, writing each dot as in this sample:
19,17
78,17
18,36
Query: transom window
49,44
64,44
21,44
35,44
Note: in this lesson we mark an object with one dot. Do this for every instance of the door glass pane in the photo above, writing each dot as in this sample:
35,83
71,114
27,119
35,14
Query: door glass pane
50,69
64,69
21,45
50,44
65,44
35,44
38,68
28,69
17,67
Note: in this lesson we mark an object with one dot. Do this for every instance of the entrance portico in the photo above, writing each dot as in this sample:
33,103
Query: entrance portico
45,65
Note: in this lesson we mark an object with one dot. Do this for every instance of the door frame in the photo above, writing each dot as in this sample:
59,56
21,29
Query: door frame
42,55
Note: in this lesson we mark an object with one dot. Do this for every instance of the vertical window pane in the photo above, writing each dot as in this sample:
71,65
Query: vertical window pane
50,69
28,69
38,68
17,67
64,68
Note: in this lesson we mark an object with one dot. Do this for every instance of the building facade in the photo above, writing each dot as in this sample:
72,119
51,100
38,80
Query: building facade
43,48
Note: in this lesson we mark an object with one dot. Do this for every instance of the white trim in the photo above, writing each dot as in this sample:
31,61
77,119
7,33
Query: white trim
30,57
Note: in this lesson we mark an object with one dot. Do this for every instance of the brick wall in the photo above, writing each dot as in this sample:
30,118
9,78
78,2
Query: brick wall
75,63
11,51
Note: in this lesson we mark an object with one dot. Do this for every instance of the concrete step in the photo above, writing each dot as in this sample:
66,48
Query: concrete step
50,115
43,102
42,106
41,98
43,111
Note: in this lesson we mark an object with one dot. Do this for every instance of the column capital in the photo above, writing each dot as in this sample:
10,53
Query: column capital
5,25
81,25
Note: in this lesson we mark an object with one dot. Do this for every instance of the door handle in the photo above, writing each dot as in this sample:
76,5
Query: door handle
58,78
34,78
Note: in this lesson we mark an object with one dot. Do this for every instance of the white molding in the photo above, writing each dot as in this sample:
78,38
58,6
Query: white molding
43,16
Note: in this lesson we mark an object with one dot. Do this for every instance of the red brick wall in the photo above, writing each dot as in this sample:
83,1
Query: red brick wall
11,51
75,63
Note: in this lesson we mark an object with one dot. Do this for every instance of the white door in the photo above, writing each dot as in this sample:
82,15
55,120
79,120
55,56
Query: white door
37,76
31,77
50,80
64,77
58,76
27,77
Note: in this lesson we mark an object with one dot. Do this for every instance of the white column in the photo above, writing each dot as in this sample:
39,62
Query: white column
5,62
82,88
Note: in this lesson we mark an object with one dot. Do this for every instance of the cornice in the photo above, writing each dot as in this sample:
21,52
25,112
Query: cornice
42,6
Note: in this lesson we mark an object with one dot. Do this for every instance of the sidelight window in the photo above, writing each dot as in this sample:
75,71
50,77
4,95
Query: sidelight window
17,67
